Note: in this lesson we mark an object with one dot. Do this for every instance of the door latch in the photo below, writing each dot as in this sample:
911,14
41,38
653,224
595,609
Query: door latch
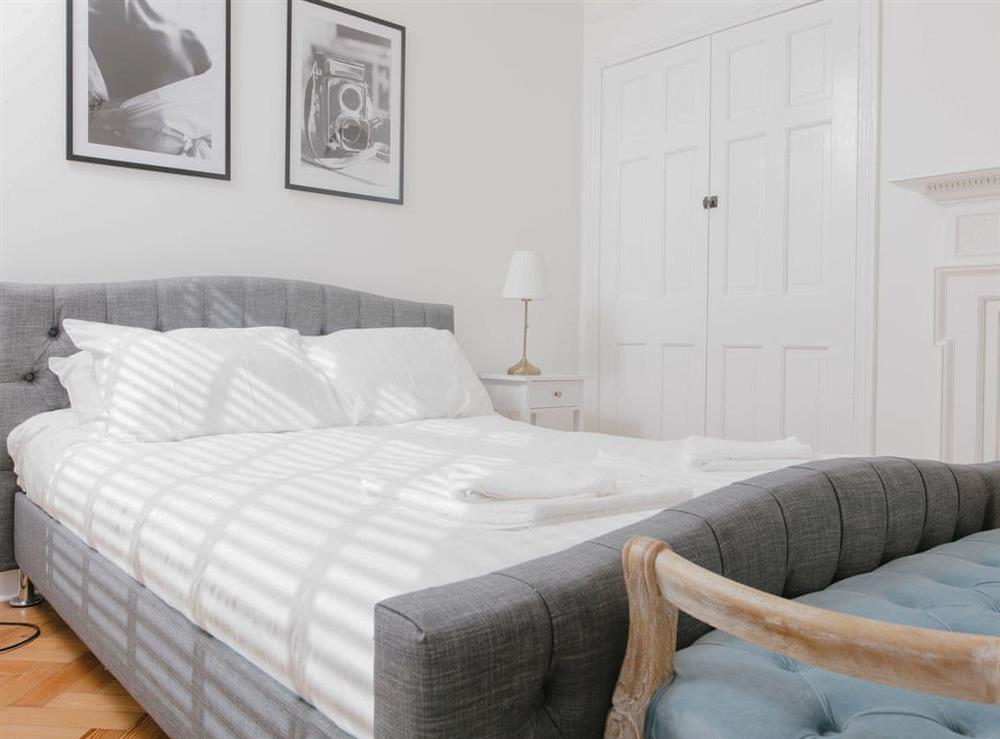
710,201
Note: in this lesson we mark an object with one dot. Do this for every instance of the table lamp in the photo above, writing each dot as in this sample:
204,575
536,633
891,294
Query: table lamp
526,282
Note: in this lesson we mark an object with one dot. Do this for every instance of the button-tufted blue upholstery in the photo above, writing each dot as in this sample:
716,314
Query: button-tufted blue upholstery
725,688
31,319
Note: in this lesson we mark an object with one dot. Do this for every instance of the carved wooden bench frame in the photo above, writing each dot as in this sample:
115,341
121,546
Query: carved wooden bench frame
660,582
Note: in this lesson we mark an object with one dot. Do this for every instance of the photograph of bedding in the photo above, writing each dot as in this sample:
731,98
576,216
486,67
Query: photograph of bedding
149,84
306,531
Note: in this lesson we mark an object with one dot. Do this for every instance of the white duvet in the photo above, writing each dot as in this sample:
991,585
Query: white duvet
280,545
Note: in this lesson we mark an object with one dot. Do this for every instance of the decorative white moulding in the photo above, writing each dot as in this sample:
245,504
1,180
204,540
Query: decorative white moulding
957,187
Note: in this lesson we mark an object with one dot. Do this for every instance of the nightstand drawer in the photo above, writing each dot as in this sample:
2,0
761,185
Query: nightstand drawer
554,393
528,398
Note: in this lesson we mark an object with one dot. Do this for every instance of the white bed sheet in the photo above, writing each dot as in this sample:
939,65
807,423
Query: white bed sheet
268,542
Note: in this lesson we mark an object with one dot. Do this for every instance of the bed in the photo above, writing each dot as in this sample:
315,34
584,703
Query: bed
331,615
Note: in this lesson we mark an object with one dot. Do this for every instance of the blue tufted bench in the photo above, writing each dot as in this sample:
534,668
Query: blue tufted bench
725,688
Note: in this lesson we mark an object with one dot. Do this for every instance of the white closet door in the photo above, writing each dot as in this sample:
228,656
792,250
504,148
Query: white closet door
782,254
653,243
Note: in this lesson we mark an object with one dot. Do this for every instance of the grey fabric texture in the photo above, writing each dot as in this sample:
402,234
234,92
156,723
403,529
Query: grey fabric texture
534,650
193,685
726,688
31,319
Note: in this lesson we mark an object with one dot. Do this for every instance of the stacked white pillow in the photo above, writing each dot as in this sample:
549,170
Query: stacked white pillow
76,373
165,386
172,385
395,375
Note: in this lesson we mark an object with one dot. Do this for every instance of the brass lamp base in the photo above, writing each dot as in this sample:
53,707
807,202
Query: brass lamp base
524,367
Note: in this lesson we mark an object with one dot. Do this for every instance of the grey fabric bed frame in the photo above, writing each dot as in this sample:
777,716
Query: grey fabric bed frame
529,652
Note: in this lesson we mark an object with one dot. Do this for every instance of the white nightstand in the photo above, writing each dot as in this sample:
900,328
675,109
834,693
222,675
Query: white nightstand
521,397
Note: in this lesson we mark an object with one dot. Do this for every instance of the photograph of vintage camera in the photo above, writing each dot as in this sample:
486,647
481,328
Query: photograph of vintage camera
340,119
345,117
345,102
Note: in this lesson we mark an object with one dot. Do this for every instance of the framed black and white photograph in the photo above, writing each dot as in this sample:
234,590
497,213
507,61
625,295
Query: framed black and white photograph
344,117
148,84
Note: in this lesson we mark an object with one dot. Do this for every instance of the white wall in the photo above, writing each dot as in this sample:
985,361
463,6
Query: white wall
492,165
940,113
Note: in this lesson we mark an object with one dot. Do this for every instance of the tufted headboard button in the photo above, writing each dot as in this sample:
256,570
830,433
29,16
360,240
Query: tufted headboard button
53,332
28,377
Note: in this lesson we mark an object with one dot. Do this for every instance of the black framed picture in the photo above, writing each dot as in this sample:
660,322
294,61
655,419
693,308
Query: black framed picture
148,84
344,102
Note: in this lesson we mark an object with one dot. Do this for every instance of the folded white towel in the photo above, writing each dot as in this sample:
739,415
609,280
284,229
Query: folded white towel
529,482
524,513
701,450
749,465
521,495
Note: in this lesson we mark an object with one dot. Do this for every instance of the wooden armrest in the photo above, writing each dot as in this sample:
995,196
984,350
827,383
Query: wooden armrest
660,581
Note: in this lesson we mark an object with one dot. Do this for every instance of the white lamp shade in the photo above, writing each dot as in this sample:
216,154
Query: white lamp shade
525,278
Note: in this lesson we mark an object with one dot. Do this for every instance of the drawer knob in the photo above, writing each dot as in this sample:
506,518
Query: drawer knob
558,393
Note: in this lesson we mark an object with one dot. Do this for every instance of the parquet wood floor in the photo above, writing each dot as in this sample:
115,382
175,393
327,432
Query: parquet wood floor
54,688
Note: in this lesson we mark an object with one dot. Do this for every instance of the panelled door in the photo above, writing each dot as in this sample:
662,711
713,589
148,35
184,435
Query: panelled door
736,321
783,240
653,254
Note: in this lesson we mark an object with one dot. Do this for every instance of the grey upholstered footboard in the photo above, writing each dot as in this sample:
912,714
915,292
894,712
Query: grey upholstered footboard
193,685
534,651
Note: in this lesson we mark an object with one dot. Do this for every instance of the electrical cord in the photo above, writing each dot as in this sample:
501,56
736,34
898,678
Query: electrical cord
36,632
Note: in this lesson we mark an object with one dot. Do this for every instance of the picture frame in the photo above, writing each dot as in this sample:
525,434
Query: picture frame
344,102
140,98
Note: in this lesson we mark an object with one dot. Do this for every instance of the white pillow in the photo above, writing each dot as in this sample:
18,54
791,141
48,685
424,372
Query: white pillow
164,386
394,375
76,374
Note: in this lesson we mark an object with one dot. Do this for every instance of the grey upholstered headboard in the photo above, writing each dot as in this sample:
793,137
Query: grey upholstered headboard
31,319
